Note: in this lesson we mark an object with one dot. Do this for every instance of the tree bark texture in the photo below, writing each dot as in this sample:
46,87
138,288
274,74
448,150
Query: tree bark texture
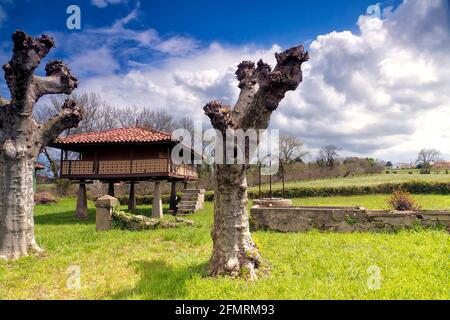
22,138
262,89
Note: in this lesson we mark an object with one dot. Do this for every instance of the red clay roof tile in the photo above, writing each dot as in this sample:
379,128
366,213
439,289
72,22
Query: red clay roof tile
122,135
39,166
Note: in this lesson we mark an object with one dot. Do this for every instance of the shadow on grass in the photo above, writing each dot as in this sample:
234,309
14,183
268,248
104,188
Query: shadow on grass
66,217
161,281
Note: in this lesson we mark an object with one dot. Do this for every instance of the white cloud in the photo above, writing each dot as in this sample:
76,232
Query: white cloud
378,92
382,91
94,62
177,45
118,44
182,85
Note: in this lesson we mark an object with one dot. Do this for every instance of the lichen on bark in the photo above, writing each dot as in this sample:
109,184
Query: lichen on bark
22,138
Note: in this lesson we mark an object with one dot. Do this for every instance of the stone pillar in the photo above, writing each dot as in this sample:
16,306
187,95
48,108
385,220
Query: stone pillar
132,198
111,189
157,210
82,210
104,209
173,197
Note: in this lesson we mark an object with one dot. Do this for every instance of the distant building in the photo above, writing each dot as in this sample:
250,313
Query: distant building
123,155
39,166
442,165
404,165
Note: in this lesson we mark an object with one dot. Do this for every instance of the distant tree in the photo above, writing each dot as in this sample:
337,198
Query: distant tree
98,116
53,164
291,149
328,155
185,123
126,116
427,158
151,118
389,164
371,161
160,120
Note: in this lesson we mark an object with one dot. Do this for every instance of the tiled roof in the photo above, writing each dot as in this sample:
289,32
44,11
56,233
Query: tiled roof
39,166
122,135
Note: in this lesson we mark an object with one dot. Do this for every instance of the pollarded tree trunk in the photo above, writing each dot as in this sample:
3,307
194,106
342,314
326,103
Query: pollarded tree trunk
22,138
262,89
234,252
17,197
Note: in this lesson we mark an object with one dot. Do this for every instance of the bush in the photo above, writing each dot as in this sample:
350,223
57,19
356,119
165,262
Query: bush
402,201
414,187
44,198
140,200
128,221
62,187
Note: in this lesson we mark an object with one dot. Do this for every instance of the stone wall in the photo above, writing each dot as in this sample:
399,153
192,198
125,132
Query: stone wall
343,219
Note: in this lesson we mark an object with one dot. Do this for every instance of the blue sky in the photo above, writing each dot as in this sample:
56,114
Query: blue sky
237,22
376,85
261,23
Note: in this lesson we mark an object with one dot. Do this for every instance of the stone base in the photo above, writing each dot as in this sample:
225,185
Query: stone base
157,207
192,201
104,209
274,202
81,211
343,219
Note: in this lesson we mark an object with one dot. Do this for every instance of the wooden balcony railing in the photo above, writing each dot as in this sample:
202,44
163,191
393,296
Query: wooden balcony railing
122,168
185,170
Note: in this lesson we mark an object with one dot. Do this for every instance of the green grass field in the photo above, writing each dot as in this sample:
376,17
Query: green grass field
170,264
369,180
376,201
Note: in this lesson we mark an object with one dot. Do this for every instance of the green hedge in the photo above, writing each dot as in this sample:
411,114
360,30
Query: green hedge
414,187
140,200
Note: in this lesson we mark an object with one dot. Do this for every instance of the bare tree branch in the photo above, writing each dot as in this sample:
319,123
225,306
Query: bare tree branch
327,155
156,119
291,149
27,54
4,102
58,80
427,158
53,166
263,89
69,117
219,114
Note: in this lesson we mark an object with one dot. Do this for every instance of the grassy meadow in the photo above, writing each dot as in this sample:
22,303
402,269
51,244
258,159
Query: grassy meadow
400,176
374,201
171,264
